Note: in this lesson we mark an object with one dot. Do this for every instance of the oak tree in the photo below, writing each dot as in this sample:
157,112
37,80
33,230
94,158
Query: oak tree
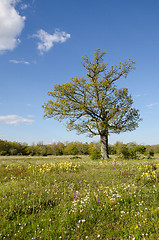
94,104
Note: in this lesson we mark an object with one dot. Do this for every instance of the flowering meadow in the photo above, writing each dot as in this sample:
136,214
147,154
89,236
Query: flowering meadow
64,197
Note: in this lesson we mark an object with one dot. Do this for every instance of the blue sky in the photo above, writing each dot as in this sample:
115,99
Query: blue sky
41,44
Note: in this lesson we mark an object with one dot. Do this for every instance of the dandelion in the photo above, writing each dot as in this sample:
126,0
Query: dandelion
112,199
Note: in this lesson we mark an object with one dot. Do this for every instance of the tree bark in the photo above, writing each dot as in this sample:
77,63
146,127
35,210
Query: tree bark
104,146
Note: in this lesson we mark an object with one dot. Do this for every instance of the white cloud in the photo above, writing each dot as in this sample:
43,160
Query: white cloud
11,25
24,6
152,105
47,40
30,116
138,95
19,61
28,105
15,120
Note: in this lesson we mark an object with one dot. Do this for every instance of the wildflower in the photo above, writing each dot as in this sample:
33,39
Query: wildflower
4,196
98,200
122,212
73,194
80,181
77,195
136,227
112,199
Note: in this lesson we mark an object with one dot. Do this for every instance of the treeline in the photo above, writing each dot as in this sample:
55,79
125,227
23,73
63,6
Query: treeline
132,150
68,148
129,150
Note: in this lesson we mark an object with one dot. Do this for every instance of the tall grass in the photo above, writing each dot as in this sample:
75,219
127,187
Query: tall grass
77,198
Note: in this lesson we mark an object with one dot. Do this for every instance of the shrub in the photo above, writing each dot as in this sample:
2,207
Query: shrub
95,155
128,153
125,152
151,153
3,153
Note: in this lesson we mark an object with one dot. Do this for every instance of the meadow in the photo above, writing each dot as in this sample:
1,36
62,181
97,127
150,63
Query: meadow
66,197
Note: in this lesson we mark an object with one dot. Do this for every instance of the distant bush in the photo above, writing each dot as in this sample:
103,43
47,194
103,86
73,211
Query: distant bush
140,149
3,153
95,155
128,153
151,153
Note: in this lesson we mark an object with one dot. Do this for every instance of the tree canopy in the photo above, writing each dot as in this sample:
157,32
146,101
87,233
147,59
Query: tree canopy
93,104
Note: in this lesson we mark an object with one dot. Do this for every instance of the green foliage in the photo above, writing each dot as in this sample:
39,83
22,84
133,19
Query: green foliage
3,153
13,148
93,104
95,155
155,148
151,153
58,149
125,152
128,153
141,149
130,150
71,149
118,147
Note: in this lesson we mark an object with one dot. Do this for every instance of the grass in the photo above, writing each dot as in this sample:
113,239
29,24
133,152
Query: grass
77,198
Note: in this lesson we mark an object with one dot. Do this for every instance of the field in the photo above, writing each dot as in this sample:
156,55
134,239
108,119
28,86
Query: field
69,197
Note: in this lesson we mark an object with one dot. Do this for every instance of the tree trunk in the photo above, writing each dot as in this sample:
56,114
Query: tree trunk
104,146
